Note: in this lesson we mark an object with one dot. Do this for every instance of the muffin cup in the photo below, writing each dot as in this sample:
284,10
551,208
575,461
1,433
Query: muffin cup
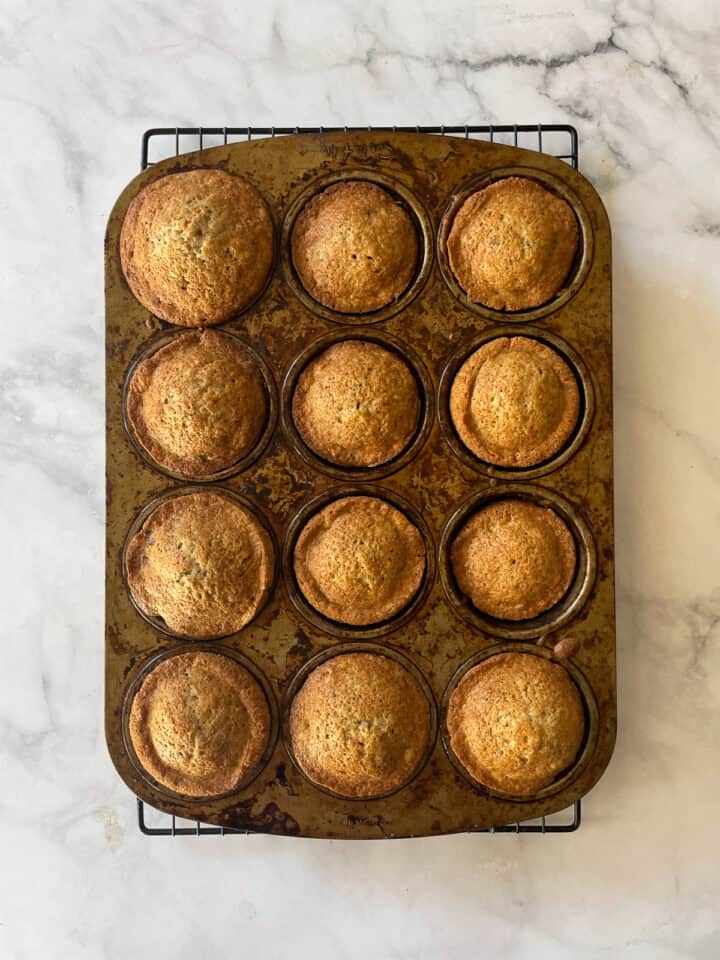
338,650
423,229
140,518
197,647
258,448
562,612
425,393
590,710
571,445
181,167
297,598
578,271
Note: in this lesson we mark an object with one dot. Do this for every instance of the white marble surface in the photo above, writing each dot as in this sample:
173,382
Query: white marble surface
78,84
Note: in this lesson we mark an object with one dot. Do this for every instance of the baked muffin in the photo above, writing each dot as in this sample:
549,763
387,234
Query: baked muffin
359,560
357,404
199,724
197,405
202,563
514,559
514,402
515,721
512,244
354,247
196,247
360,725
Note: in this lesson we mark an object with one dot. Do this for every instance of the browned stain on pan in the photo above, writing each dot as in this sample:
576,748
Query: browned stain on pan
430,175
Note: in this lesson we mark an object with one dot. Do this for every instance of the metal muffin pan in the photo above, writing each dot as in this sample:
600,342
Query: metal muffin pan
436,481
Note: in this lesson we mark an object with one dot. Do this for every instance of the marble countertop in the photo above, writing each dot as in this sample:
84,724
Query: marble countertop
78,84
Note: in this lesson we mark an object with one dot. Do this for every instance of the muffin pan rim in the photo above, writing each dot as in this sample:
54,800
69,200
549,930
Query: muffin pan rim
185,490
570,605
144,669
426,394
590,711
343,631
339,649
422,224
579,270
579,433
164,339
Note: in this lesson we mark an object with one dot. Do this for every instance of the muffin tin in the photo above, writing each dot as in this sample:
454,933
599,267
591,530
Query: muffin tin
436,481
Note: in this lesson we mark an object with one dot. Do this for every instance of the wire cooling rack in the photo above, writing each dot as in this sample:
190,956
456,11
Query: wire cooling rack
154,823
556,140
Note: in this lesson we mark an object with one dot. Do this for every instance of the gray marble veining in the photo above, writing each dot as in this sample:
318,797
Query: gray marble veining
78,84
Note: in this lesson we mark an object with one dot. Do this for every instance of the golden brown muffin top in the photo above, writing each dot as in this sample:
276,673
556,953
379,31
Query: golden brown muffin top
357,404
515,722
197,247
359,560
354,247
514,559
202,563
514,402
197,405
360,725
512,244
199,723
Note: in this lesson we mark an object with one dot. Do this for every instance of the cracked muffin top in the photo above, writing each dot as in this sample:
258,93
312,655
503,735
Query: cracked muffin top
514,402
515,722
199,724
360,725
202,563
198,404
512,244
354,247
196,247
356,404
359,560
514,559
